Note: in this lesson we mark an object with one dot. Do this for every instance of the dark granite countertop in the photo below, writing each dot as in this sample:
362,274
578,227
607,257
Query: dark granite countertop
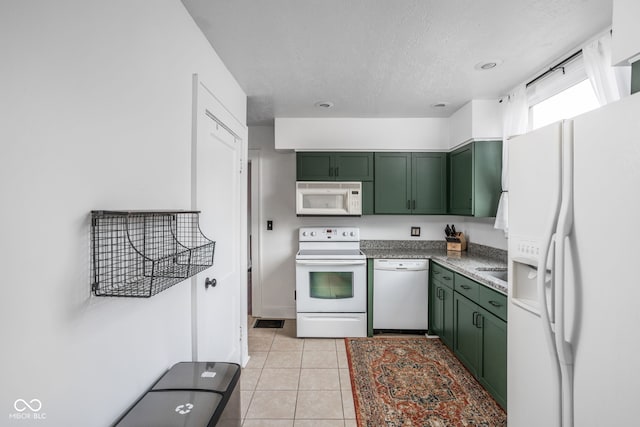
476,263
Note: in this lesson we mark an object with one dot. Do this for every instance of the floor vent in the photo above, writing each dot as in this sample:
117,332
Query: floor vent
269,323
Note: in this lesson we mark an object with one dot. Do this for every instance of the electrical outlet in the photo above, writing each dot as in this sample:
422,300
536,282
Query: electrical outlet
269,225
415,231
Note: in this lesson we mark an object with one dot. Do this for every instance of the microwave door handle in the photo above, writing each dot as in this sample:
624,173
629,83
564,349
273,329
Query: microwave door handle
330,262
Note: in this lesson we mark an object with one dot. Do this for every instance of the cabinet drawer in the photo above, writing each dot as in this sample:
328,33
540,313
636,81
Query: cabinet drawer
466,287
493,301
442,275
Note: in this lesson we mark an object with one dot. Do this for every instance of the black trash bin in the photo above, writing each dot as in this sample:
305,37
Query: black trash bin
191,394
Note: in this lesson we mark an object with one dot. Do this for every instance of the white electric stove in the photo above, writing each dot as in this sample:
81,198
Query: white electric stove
331,283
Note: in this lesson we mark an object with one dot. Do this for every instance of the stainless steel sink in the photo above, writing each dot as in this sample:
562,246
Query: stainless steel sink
498,273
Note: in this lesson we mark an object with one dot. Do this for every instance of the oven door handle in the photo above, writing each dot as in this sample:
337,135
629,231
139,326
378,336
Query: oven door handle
337,262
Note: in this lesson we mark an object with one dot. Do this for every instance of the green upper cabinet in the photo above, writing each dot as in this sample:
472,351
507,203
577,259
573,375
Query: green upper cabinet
314,167
351,166
392,183
321,166
461,180
428,182
410,183
475,179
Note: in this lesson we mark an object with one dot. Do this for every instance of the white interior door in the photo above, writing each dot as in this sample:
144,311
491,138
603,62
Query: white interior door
217,310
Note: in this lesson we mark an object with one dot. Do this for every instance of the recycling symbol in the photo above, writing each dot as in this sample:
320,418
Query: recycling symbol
184,409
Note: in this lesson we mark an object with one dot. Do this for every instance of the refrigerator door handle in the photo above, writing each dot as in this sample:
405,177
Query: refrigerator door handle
563,229
565,224
547,252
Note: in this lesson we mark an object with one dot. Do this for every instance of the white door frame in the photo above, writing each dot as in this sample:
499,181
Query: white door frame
237,127
256,220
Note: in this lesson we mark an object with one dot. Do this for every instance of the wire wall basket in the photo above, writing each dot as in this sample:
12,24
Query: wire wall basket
141,253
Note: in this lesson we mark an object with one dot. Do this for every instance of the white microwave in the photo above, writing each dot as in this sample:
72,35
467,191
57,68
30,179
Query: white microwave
320,198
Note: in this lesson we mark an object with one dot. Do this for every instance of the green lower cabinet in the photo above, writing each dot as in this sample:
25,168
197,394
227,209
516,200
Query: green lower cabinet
466,341
472,322
493,356
436,309
369,297
480,342
441,322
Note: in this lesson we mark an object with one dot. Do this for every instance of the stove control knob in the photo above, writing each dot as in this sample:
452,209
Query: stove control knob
352,234
344,233
304,233
313,233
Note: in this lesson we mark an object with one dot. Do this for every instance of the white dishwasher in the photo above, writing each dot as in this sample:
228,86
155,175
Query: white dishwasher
400,294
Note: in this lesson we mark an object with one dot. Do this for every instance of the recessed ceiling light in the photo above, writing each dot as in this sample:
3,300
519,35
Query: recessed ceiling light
440,104
324,104
488,65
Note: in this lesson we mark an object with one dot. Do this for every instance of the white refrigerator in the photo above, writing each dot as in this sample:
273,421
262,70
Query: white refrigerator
574,277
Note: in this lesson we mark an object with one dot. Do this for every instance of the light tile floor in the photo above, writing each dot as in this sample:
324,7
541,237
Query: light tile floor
295,382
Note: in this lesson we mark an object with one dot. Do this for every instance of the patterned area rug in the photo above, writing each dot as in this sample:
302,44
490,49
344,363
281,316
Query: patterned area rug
415,381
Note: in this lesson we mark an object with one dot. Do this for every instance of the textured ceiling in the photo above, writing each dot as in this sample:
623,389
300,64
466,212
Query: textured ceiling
387,58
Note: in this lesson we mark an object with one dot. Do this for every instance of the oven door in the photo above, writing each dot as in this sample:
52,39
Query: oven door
331,286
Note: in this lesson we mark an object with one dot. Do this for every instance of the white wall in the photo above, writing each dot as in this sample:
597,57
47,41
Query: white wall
369,134
279,246
95,114
478,119
625,44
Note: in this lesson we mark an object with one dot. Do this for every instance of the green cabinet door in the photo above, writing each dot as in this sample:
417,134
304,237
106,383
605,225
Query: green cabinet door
331,166
315,167
492,372
436,309
392,183
441,304
466,342
475,179
447,317
461,181
367,198
428,183
370,297
410,183
487,182
353,166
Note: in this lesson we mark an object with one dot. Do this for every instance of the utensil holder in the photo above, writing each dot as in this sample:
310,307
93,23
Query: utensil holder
457,243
